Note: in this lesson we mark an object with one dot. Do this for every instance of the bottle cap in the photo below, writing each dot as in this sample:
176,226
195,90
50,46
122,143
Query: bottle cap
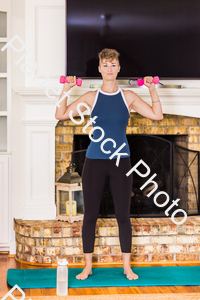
62,262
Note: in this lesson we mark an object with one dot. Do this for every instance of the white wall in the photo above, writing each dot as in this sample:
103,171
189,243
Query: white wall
40,25
18,107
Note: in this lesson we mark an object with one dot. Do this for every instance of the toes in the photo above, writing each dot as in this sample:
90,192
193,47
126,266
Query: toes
83,278
131,276
83,275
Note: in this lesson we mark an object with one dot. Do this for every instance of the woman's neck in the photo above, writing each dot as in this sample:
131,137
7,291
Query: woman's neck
109,86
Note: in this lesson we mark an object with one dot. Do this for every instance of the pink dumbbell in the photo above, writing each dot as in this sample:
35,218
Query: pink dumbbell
63,80
140,81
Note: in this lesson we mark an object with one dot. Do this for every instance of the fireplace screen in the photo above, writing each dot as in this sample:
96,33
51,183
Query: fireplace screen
177,170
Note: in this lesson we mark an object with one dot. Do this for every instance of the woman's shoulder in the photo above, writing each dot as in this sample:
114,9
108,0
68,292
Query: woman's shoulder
128,92
90,94
90,97
129,96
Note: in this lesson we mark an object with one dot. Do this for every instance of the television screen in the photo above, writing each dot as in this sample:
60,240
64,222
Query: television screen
154,38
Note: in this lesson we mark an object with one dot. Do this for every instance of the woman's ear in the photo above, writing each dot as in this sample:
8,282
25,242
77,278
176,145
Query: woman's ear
99,69
119,69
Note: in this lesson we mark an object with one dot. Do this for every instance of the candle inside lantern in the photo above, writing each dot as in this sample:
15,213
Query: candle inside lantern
74,208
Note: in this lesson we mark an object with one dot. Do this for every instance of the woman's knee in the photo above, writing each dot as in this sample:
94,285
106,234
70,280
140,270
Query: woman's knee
90,219
123,219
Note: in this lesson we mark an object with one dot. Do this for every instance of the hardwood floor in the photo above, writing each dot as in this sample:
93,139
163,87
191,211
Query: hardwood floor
9,262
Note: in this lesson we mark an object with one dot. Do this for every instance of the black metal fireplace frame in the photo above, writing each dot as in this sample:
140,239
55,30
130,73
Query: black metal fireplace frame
173,147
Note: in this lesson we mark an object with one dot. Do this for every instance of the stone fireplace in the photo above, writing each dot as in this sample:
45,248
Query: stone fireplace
181,131
39,237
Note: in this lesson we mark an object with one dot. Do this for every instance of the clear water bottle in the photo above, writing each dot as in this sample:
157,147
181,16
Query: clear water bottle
62,277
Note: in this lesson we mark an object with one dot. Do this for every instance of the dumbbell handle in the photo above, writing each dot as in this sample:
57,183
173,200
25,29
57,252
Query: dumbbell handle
140,81
63,80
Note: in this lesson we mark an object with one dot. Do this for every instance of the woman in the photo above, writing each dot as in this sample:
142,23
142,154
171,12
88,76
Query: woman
112,107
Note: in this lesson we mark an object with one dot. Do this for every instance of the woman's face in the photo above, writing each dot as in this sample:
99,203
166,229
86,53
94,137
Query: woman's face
109,69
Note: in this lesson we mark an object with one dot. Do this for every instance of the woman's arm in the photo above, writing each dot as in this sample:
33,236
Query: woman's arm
62,112
134,102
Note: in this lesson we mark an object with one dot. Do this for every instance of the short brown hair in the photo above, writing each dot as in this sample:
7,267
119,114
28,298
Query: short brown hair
109,54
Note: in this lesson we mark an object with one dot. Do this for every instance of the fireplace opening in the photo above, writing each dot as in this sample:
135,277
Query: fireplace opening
177,170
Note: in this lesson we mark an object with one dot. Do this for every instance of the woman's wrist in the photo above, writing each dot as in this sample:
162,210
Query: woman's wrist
154,94
66,89
152,88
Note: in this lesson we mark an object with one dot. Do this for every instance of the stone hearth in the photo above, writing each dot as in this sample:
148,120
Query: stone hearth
155,240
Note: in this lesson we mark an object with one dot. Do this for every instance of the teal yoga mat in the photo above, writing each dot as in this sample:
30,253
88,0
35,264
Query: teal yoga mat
148,276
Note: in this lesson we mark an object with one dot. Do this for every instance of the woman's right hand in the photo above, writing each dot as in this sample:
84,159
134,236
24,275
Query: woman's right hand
71,82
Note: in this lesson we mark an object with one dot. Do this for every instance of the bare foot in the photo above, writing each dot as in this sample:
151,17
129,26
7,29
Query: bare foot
84,274
129,274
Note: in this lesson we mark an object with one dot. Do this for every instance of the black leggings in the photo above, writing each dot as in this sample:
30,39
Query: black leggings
93,180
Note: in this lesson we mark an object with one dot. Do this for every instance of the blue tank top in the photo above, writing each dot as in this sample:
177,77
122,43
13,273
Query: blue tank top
112,114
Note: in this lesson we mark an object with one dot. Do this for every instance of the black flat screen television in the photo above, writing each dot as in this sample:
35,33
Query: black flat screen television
154,38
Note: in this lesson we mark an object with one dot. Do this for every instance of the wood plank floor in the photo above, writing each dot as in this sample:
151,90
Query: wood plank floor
9,262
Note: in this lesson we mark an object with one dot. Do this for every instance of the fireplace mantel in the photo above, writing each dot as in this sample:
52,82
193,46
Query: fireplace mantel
184,102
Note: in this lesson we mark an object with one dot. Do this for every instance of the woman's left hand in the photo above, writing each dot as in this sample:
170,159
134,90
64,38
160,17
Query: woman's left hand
148,82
